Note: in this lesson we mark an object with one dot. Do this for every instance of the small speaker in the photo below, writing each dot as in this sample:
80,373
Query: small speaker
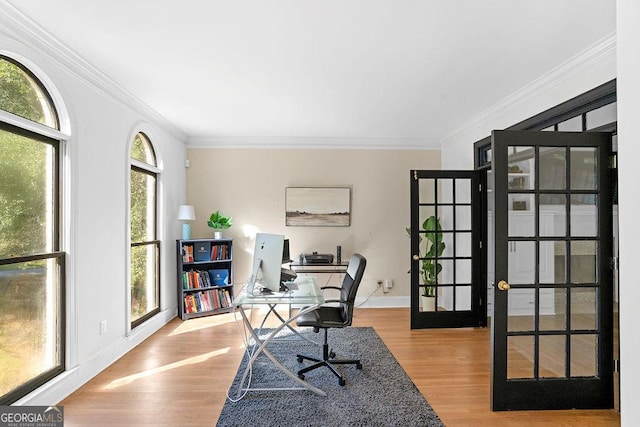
338,255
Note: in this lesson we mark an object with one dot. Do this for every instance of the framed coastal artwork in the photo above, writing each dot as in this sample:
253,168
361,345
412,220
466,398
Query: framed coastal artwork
318,206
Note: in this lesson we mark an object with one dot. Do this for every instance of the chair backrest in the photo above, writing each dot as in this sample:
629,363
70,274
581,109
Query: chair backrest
355,271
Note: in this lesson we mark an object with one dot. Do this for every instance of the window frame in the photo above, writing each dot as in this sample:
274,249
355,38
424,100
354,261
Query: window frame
152,170
53,137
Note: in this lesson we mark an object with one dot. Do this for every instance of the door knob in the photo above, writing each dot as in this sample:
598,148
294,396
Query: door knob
416,257
503,285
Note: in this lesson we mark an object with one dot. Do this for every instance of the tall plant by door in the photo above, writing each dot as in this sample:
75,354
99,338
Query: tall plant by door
434,248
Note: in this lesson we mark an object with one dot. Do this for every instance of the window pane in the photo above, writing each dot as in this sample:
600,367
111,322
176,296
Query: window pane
463,298
573,124
552,353
521,259
445,190
463,190
22,95
463,218
520,356
584,166
584,355
584,308
26,195
142,150
144,288
602,116
554,319
584,215
553,168
521,168
584,261
30,332
143,206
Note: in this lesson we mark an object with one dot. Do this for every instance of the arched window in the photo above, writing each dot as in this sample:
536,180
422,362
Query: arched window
145,247
32,310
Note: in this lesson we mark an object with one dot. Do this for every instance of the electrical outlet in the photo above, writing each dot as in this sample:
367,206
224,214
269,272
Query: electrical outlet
103,327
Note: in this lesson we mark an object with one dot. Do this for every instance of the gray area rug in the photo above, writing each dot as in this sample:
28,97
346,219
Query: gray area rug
380,394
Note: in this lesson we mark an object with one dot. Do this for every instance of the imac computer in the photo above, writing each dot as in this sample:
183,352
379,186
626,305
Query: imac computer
267,263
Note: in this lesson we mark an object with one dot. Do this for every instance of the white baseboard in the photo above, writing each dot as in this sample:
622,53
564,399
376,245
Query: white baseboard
73,378
384,302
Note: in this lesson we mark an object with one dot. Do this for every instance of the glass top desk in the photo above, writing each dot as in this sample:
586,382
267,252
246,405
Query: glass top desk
309,295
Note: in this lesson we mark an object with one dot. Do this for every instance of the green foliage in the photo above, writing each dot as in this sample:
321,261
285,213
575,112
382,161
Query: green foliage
217,221
142,216
142,150
25,169
19,94
434,248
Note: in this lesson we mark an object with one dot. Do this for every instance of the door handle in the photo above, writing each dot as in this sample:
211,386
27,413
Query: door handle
503,285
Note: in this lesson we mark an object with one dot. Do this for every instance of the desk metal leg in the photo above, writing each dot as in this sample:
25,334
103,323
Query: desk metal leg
262,349
272,309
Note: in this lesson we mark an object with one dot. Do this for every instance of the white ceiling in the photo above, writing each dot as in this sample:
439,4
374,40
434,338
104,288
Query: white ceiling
399,71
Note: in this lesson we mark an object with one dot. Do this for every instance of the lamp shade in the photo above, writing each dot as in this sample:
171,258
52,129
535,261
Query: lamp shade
186,213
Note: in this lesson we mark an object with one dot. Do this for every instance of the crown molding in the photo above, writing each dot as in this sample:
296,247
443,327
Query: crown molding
600,53
303,142
19,26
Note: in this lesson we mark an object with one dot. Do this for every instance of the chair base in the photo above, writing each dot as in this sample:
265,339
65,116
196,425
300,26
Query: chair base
328,360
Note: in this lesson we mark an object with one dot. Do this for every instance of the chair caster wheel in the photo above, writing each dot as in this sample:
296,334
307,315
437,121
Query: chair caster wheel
300,359
301,377
341,381
359,366
332,355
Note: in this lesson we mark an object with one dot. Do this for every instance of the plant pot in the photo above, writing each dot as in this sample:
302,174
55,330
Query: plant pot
217,234
428,303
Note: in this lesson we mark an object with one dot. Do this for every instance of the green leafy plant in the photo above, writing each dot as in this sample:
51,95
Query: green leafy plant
217,221
434,248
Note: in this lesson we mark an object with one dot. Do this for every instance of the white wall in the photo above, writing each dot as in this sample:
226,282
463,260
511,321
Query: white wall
585,71
249,185
629,175
95,214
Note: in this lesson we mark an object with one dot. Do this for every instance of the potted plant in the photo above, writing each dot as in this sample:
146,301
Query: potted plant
430,267
218,222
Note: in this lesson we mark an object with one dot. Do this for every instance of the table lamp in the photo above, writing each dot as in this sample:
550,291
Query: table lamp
186,213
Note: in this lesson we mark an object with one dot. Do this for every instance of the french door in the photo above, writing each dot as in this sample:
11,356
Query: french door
447,285
551,222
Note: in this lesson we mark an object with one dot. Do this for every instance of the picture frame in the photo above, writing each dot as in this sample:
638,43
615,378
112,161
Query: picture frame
318,206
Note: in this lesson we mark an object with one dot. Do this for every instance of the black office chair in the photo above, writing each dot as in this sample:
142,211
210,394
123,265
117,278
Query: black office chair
325,317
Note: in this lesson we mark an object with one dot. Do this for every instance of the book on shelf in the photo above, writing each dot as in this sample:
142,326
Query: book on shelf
187,253
194,279
219,277
213,299
219,252
202,251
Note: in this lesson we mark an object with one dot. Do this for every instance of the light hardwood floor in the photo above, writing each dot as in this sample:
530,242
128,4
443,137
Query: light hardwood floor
179,376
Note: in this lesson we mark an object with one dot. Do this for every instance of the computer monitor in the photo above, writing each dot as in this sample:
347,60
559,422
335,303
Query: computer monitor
267,262
286,274
286,255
